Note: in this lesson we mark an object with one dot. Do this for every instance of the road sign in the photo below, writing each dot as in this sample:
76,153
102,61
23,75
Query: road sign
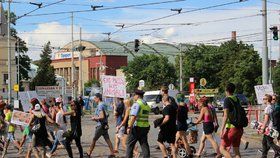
16,87
206,91
203,82
171,86
141,83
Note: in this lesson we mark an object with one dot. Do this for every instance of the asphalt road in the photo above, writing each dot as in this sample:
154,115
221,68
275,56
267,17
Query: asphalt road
102,150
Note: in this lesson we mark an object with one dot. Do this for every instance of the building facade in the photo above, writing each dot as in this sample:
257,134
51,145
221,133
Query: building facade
4,58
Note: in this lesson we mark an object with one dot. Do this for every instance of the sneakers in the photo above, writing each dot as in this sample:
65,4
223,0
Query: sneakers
49,155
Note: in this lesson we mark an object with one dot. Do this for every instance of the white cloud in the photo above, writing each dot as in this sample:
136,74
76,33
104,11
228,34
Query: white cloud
59,35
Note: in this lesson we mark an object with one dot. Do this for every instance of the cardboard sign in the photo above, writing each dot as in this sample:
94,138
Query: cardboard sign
113,86
261,90
20,118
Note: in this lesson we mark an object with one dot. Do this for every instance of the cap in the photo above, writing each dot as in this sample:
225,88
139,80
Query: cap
8,106
58,100
98,95
139,92
37,107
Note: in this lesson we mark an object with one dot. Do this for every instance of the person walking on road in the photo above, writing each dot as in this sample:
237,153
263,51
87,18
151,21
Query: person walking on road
206,115
76,128
230,135
267,141
102,125
119,113
138,126
168,130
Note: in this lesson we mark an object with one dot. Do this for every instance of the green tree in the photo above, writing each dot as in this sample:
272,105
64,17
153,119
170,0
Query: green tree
276,78
201,61
92,82
241,65
154,70
45,74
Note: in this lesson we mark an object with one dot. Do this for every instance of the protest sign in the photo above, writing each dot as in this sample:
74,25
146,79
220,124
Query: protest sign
113,86
20,118
261,90
25,98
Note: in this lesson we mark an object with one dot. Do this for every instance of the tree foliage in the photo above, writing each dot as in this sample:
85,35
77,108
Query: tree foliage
154,70
45,74
276,78
231,61
92,82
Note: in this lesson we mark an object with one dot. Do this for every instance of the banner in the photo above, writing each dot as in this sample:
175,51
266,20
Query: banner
261,90
53,91
113,86
20,118
25,98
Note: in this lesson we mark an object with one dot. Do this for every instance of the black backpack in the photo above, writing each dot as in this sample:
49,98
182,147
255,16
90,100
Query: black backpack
237,116
276,118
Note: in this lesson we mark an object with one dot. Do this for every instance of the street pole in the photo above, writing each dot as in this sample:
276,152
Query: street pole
18,53
270,58
9,54
72,56
265,48
81,65
181,69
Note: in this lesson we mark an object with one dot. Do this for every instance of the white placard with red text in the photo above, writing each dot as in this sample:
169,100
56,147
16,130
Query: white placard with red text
113,86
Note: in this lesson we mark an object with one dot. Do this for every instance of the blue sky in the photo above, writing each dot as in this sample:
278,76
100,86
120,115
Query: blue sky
37,30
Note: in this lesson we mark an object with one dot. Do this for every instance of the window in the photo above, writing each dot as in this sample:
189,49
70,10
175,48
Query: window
5,79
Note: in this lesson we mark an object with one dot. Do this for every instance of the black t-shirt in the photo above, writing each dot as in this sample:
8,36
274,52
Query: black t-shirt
171,111
120,109
229,103
182,115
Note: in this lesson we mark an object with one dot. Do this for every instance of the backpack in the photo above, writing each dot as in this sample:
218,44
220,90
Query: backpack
237,116
276,118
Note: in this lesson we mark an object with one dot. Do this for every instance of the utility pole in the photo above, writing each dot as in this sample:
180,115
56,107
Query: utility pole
81,65
265,48
9,54
18,53
181,69
72,56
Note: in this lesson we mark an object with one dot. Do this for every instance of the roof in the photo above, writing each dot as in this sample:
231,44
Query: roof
127,49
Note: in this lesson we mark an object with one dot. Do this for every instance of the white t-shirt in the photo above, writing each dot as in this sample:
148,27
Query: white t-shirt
59,120
268,111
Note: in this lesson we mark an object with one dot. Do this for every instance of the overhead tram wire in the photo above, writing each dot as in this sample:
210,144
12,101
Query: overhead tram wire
183,12
273,2
106,8
39,7
55,20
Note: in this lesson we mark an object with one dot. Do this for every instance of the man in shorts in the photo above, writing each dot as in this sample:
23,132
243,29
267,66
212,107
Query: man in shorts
102,125
119,110
230,135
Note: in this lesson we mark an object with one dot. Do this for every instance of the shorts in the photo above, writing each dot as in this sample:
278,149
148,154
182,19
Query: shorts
182,127
168,136
100,131
232,137
11,136
208,127
121,132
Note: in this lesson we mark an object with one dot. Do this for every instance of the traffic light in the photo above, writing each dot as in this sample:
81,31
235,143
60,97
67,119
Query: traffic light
274,30
136,45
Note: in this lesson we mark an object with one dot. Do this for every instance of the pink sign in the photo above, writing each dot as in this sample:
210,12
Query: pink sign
114,86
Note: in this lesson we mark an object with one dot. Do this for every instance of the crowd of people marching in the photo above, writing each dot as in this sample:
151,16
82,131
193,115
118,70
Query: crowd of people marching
54,124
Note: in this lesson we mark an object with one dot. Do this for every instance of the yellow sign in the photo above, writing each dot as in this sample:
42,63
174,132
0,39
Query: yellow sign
203,82
16,87
206,91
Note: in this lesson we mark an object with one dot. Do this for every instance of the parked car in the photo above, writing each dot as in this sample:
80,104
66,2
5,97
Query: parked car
153,99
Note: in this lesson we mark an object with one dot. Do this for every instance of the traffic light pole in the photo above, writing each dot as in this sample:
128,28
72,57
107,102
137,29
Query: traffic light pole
264,48
181,69
72,56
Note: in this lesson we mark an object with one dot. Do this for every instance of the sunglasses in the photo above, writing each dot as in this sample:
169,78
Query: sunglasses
273,99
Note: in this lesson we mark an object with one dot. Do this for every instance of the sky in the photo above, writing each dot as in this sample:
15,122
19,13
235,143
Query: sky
207,26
